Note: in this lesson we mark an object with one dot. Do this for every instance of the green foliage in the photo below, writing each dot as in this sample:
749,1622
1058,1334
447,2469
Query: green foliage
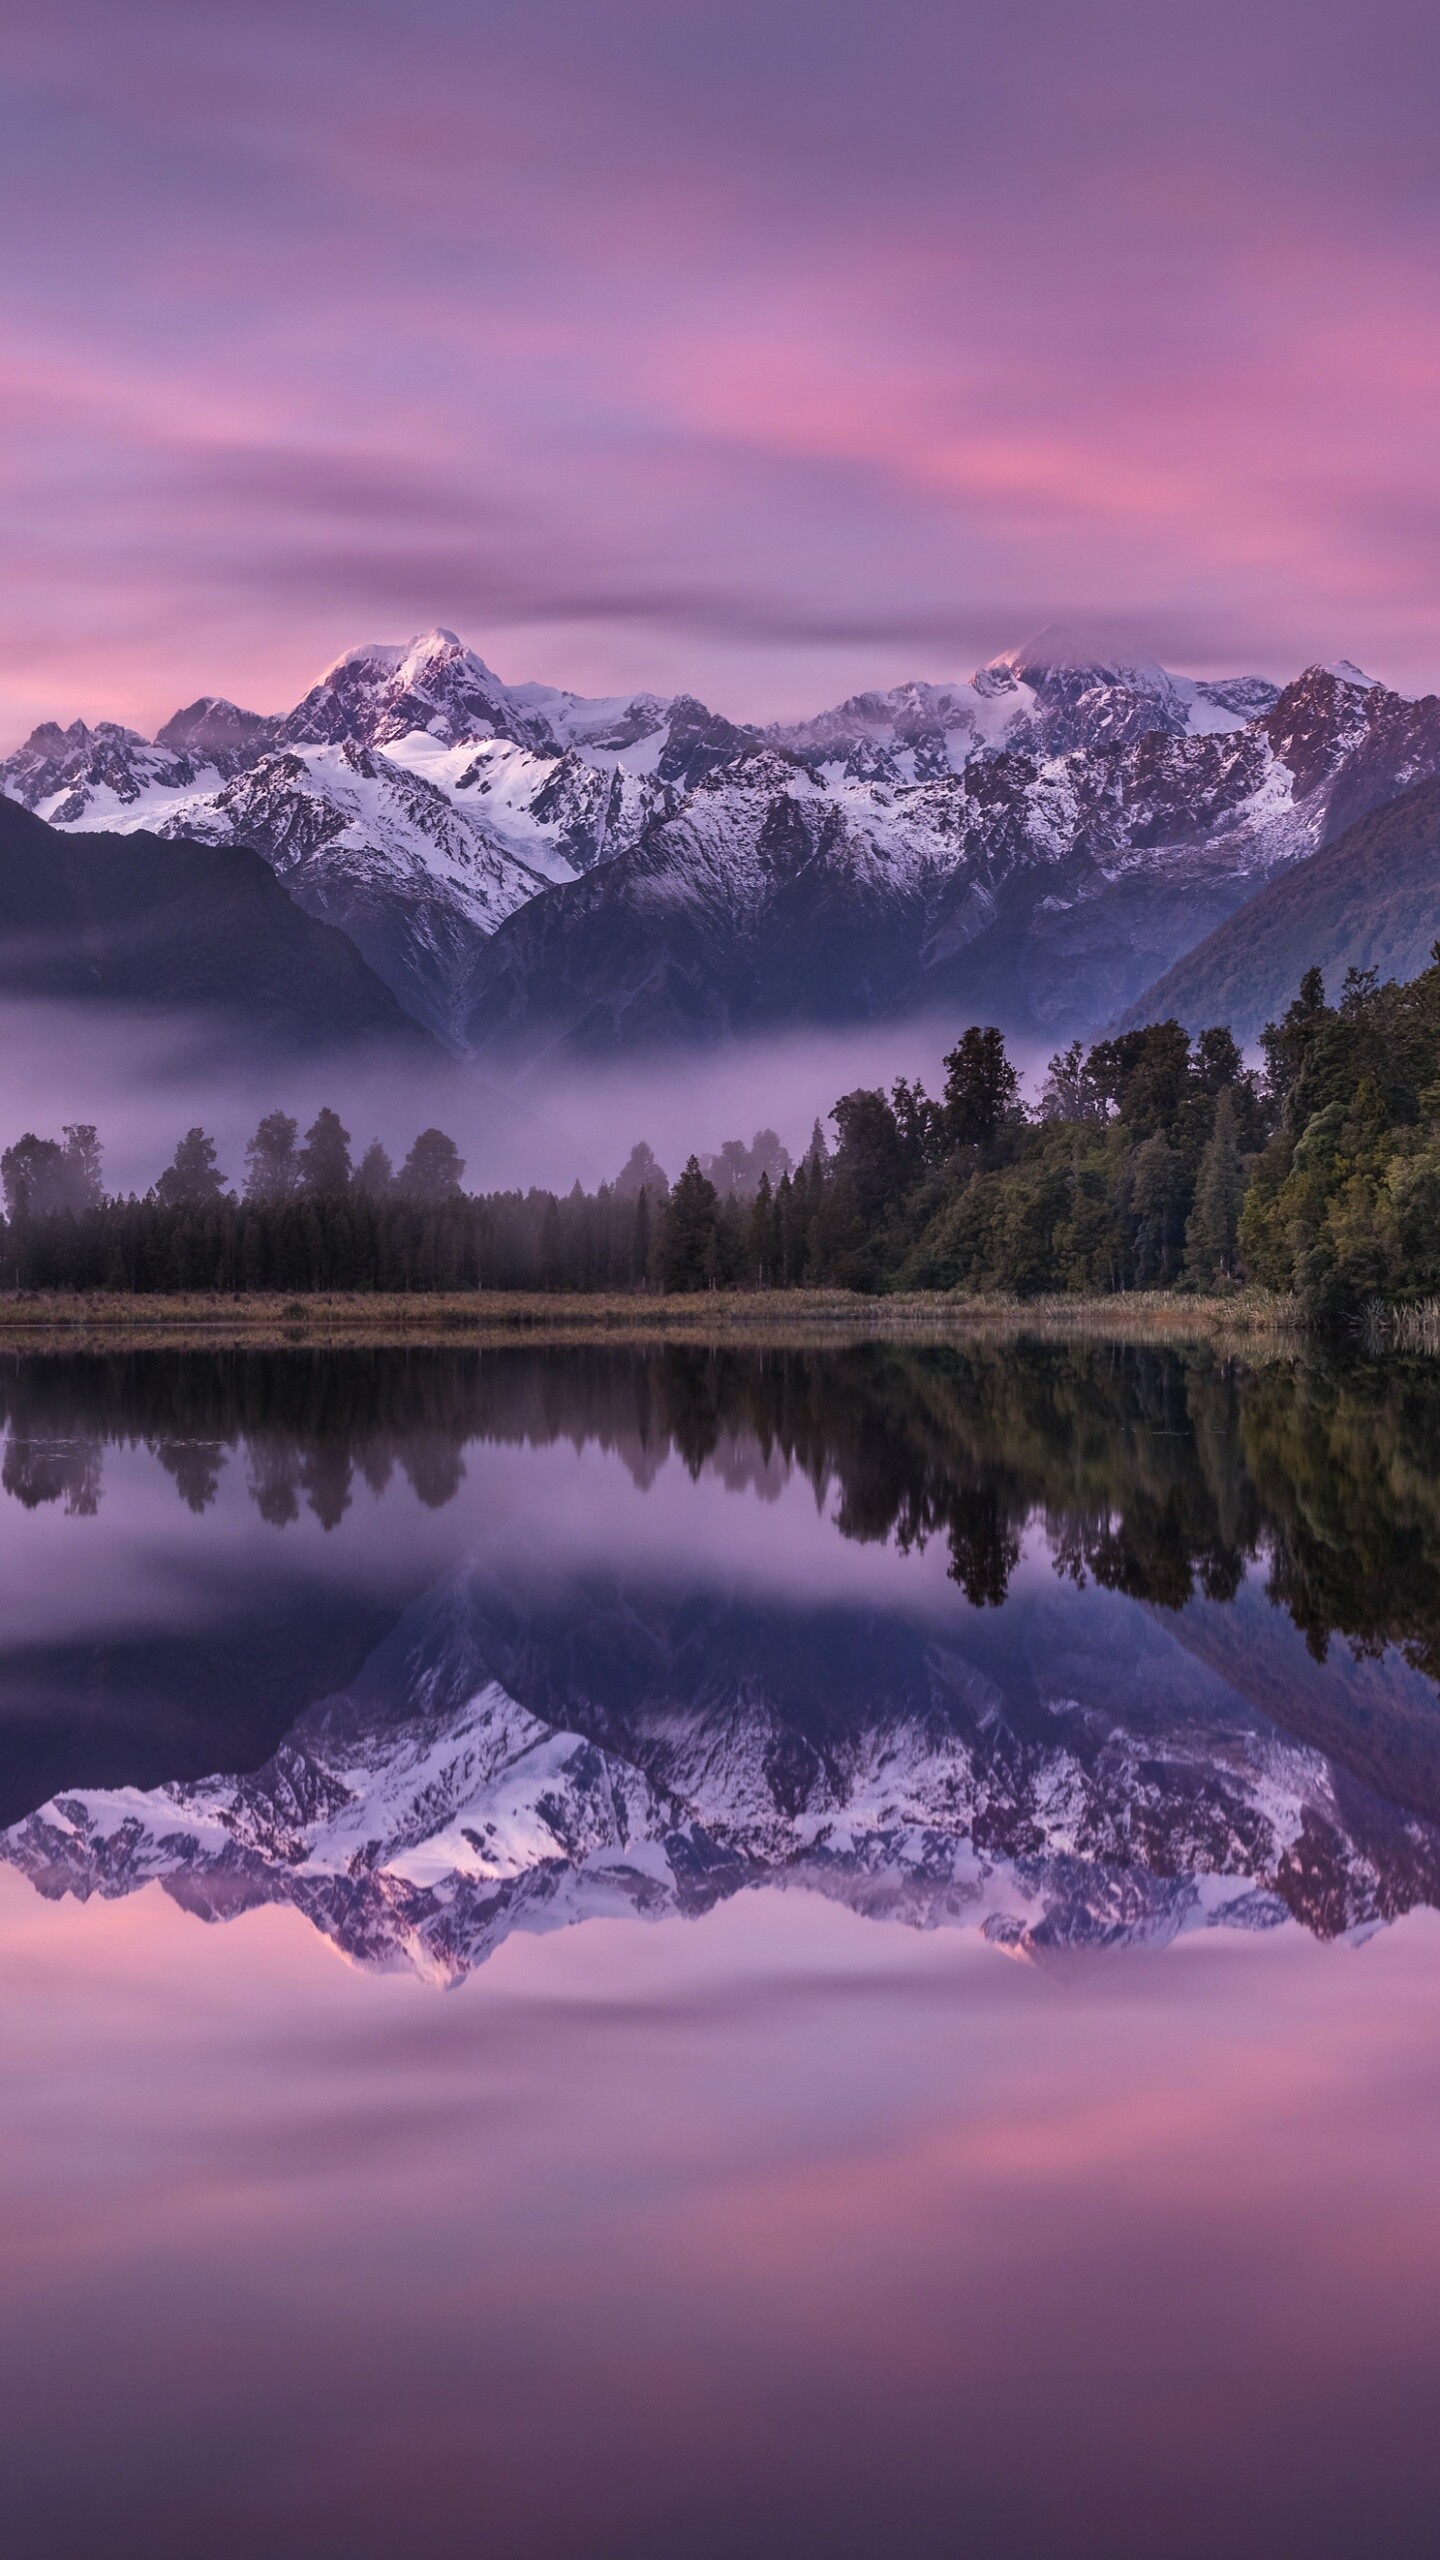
1343,1205
980,1087
689,1247
433,1170
43,1178
1212,1230
374,1174
1152,1162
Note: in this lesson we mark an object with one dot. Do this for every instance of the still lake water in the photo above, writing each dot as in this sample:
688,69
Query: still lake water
685,1953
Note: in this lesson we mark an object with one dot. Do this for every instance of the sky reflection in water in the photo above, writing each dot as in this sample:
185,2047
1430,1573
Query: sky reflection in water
775,2224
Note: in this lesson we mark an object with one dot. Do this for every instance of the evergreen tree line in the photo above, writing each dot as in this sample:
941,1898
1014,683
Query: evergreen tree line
1151,1161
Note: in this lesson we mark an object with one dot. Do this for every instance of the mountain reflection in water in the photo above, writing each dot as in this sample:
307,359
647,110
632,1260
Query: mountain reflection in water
1078,1646
795,2220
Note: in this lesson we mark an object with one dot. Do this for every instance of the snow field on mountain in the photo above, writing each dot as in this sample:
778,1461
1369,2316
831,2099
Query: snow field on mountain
423,805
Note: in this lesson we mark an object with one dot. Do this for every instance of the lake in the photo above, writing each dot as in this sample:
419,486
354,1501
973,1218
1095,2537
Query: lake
692,1951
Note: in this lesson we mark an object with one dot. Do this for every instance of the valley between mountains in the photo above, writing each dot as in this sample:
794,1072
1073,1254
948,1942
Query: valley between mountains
531,874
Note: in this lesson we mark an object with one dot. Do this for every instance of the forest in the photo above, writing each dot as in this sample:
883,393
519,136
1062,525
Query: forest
1149,1160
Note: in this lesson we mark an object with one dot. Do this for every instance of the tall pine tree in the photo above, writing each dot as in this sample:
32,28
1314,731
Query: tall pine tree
1219,1197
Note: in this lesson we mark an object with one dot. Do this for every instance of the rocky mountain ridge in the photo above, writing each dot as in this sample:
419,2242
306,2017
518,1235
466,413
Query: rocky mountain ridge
1059,692
530,870
1369,899
1046,895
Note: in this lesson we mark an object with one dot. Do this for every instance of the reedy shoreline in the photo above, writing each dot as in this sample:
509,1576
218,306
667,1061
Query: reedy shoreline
104,1320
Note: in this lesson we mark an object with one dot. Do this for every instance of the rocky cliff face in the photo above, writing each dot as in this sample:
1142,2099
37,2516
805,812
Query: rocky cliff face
528,869
381,851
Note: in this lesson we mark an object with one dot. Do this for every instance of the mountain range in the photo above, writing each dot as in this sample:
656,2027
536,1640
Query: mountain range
531,872
511,1761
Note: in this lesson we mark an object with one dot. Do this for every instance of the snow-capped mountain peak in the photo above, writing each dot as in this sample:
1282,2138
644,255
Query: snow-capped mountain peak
1053,695
1060,649
432,685
418,800
1345,671
212,729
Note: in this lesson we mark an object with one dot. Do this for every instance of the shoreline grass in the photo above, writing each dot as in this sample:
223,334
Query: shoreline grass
42,1319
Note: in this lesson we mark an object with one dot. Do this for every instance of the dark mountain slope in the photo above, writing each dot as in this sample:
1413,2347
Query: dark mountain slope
754,907
196,929
1045,895
1368,900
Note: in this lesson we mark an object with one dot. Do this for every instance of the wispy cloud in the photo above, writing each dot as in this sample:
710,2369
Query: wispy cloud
755,351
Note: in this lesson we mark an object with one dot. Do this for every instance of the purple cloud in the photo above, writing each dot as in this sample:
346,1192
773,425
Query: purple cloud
768,351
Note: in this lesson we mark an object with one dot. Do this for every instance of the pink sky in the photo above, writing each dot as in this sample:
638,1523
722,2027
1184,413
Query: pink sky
766,350
780,2231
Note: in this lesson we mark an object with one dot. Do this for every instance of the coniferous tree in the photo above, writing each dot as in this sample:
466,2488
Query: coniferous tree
980,1087
33,1172
81,1175
324,1161
641,1173
920,1124
689,1232
42,1177
870,1162
1071,1091
760,1236
1157,1199
272,1170
1146,1074
640,1238
1218,1062
552,1246
768,1157
1288,1044
730,1170
433,1170
375,1174
192,1179
792,1202
1210,1236
725,1262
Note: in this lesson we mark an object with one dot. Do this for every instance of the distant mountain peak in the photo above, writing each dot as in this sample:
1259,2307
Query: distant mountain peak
211,726
1062,649
1345,671
386,655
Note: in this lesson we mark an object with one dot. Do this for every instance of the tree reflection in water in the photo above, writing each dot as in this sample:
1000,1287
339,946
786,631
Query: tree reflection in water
1073,1755
1159,1473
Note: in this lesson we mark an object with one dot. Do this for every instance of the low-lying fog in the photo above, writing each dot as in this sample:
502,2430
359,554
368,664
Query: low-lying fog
144,1081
